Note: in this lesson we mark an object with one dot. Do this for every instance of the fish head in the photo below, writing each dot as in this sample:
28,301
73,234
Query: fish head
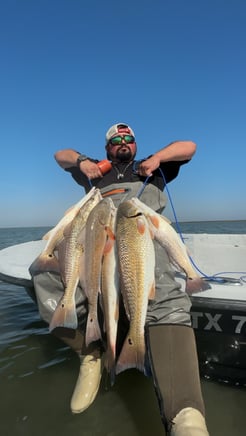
102,212
128,209
97,196
130,216
92,201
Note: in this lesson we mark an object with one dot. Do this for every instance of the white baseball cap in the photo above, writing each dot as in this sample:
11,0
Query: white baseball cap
118,128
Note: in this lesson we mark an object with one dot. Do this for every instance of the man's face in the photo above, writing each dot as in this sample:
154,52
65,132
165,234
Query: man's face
123,152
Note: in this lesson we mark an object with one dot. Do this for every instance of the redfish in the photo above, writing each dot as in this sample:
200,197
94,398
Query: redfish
47,260
110,294
169,239
136,265
70,260
98,240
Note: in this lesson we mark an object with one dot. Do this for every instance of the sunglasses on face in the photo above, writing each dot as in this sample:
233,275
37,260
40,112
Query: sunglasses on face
118,140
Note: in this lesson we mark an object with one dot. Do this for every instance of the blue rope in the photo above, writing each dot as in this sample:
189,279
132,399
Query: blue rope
143,187
172,206
90,182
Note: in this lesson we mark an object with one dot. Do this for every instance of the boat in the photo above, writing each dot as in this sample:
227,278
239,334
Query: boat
218,314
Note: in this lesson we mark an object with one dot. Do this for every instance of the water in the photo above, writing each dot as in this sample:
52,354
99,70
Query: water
38,373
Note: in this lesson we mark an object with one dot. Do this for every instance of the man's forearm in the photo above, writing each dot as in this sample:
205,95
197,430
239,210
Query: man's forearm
176,151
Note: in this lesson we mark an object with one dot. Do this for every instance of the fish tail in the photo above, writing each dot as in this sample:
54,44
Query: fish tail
93,331
109,365
45,262
195,285
112,376
110,359
131,356
64,316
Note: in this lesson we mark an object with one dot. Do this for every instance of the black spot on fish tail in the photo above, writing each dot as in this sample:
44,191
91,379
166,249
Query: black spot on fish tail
64,316
131,356
93,331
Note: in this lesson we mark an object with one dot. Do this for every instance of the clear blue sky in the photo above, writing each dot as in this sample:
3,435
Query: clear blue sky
172,69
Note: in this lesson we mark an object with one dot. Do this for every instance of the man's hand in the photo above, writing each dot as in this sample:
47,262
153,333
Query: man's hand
90,169
147,167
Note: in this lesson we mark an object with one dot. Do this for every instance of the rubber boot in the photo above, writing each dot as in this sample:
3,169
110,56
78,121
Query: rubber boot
90,371
189,422
88,382
174,365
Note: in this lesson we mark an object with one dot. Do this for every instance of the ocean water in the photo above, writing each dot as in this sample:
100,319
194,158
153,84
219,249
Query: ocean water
38,373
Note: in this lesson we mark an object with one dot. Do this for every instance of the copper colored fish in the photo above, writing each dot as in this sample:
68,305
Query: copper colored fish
169,239
73,247
136,265
98,239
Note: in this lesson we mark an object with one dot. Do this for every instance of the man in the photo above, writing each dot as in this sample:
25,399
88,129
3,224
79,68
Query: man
170,339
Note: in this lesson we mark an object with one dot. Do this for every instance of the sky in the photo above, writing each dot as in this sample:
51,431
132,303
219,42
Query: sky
171,69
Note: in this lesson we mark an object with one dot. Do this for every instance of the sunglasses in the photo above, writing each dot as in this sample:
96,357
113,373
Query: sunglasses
118,140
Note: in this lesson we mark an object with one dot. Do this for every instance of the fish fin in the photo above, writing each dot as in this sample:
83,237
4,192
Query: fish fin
154,221
152,292
45,262
108,246
141,225
109,362
110,233
68,229
64,316
196,285
112,377
93,332
131,356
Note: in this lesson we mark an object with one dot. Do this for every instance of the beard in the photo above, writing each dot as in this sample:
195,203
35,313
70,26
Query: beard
124,154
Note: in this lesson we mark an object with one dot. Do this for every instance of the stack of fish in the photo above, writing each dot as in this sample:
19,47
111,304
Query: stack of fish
110,252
